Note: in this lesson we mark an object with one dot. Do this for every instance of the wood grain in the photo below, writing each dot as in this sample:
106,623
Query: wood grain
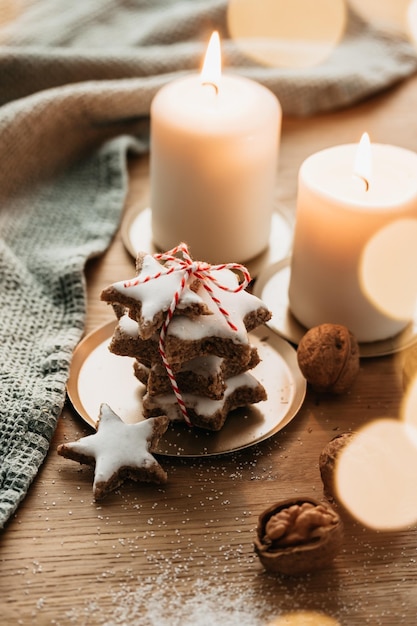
146,551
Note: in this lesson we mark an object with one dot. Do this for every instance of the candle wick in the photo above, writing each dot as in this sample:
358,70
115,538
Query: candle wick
364,180
215,87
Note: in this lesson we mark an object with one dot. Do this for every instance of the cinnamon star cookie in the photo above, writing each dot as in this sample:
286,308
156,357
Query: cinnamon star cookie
119,451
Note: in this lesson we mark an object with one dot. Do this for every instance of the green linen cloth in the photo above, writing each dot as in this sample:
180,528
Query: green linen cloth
76,83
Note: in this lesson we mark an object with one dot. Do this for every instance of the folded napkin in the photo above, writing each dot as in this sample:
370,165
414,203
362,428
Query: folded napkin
76,84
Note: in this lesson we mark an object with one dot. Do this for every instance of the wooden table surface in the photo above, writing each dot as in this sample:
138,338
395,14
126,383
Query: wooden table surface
183,553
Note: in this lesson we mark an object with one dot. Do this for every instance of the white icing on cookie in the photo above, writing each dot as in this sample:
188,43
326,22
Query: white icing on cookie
200,404
116,445
194,329
128,326
237,305
156,294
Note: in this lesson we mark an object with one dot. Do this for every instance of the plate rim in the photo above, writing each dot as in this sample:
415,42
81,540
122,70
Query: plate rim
104,331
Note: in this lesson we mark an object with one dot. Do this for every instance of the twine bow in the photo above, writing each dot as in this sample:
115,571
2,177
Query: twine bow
203,271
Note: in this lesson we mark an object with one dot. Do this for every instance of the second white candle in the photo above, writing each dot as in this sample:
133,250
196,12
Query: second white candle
336,220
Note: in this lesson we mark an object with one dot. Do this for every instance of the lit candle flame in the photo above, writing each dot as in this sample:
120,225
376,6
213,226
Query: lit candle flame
211,72
363,161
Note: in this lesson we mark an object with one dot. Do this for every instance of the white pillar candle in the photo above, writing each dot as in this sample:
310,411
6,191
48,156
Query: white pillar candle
214,151
338,217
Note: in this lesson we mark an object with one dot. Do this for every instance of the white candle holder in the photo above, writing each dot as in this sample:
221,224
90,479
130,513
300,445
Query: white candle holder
137,236
272,287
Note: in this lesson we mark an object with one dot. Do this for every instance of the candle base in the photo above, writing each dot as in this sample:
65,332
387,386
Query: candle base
137,235
272,287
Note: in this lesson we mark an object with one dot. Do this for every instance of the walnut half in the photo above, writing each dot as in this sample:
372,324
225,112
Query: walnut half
298,536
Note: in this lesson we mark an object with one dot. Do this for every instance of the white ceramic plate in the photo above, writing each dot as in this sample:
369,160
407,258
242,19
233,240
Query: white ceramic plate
99,376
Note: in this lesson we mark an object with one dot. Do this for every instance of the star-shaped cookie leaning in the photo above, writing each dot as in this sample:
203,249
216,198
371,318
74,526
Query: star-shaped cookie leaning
119,451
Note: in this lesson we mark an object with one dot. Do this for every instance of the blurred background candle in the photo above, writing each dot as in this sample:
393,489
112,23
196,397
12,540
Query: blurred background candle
355,236
214,152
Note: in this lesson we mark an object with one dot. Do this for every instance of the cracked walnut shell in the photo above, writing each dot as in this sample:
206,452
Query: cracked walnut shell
328,357
298,536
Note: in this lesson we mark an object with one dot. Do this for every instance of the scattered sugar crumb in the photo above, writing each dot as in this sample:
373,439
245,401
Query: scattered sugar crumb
207,602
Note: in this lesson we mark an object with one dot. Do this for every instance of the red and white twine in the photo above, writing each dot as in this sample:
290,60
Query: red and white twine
202,271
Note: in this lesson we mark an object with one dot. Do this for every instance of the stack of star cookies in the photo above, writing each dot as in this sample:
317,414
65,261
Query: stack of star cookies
205,344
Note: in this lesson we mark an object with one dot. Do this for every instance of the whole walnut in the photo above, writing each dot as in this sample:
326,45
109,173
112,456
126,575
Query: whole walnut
328,357
410,366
